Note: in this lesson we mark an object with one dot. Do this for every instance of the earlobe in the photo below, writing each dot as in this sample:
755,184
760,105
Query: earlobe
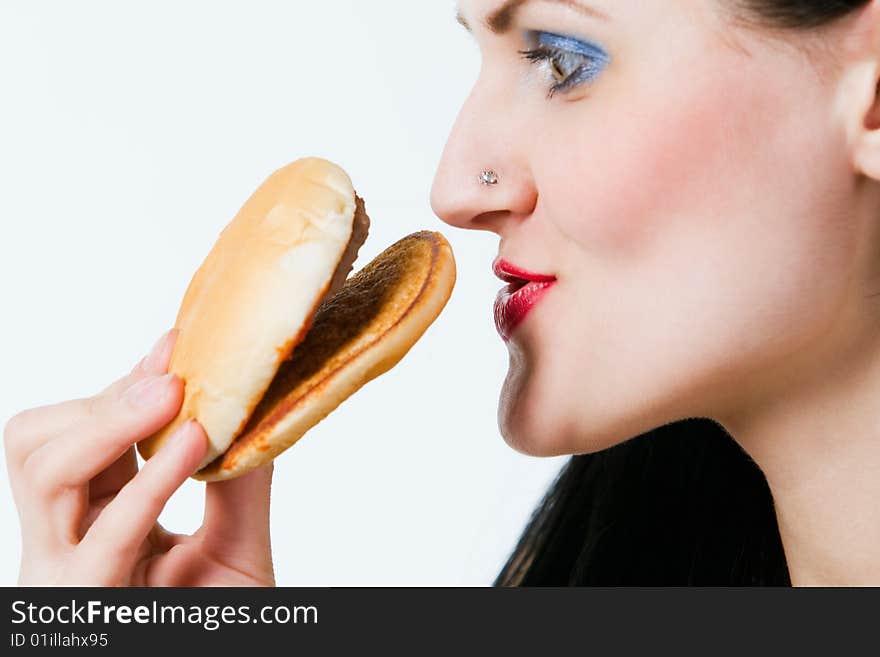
866,152
872,117
866,142
858,101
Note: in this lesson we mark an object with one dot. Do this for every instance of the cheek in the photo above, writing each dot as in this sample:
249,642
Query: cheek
719,172
705,235
675,152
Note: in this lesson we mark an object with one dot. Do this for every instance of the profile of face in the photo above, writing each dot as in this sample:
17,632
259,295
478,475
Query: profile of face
689,184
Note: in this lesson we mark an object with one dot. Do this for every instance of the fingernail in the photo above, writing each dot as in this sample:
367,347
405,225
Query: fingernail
176,437
183,434
155,356
187,427
149,391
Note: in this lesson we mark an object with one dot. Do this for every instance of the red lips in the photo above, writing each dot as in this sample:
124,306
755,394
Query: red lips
522,293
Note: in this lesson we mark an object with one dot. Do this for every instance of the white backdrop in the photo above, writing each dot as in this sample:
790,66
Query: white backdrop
131,133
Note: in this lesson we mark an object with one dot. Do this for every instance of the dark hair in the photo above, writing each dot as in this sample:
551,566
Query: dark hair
797,14
682,504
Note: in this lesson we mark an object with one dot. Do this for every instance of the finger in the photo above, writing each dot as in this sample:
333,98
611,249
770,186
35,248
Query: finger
32,428
111,544
154,363
117,474
113,425
56,477
237,510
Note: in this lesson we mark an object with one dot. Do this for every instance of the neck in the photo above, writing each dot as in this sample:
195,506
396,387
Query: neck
817,441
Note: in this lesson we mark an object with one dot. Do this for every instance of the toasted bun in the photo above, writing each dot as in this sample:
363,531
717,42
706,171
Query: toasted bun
359,333
253,298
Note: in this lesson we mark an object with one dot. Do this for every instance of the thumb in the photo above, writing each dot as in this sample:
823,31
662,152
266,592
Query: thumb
238,509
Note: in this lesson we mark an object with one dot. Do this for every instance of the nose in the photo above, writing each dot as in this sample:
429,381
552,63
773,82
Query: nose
485,137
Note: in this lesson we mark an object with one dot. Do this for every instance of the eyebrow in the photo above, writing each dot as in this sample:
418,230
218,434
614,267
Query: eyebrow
500,20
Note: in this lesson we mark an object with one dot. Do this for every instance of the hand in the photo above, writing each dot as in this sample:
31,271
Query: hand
90,518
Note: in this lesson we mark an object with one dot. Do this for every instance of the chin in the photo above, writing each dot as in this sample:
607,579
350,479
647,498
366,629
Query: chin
536,418
529,422
556,430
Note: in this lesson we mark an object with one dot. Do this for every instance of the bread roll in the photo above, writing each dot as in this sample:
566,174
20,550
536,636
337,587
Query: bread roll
357,334
253,298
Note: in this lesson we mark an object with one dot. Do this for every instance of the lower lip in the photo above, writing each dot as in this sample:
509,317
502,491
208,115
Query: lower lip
511,307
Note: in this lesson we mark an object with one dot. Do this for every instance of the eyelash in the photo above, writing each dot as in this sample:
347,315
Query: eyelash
543,55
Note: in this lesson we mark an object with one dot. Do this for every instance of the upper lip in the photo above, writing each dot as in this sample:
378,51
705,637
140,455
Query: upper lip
511,273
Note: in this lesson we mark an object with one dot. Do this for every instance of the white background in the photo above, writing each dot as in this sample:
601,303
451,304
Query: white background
131,133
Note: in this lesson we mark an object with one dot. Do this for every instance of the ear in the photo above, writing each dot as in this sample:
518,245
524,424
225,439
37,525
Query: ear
858,94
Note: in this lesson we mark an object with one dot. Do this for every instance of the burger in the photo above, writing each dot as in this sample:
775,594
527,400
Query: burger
273,332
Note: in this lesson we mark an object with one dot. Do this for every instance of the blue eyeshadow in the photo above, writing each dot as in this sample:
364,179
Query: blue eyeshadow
573,45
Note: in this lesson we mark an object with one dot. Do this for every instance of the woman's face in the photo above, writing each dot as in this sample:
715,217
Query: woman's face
689,188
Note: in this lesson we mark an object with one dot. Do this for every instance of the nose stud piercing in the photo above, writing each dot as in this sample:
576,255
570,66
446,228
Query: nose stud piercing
488,177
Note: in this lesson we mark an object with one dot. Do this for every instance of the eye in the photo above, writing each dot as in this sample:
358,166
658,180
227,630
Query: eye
568,62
